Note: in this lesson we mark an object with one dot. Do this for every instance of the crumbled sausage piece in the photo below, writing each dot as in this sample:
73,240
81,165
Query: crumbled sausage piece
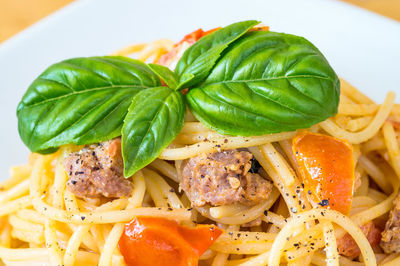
97,170
223,178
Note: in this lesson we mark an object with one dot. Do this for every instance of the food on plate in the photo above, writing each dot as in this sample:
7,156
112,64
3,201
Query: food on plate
234,146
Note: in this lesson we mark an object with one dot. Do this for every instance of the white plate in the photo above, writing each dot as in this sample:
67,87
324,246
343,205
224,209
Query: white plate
362,47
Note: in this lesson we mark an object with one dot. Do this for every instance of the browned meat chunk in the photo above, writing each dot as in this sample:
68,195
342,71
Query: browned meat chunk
348,247
97,170
390,241
223,178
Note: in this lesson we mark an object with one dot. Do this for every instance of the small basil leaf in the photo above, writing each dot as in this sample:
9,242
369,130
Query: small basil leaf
185,81
154,119
81,101
267,82
202,55
165,74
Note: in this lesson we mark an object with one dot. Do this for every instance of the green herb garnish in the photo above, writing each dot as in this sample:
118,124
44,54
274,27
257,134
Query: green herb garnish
240,83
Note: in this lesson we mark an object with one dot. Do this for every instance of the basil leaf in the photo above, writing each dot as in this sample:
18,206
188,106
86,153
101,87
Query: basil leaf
165,74
267,82
81,101
199,59
154,119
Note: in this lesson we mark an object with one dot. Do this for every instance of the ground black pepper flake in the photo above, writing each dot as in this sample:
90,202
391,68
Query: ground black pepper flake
83,218
266,213
73,182
324,202
255,166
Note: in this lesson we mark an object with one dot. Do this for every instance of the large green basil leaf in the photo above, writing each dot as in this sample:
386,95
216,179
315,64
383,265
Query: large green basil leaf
80,100
154,119
267,82
198,60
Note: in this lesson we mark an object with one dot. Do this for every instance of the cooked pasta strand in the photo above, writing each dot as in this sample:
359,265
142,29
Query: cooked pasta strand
366,133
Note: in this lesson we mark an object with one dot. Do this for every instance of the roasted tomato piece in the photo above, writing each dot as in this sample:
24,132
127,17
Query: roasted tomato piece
327,168
157,241
187,41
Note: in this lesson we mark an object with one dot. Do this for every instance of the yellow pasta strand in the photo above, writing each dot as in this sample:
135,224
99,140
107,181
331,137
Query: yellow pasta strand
369,131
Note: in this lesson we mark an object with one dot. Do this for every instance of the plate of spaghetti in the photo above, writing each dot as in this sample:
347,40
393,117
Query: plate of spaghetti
237,145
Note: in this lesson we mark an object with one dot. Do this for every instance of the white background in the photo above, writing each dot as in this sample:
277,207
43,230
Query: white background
362,47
